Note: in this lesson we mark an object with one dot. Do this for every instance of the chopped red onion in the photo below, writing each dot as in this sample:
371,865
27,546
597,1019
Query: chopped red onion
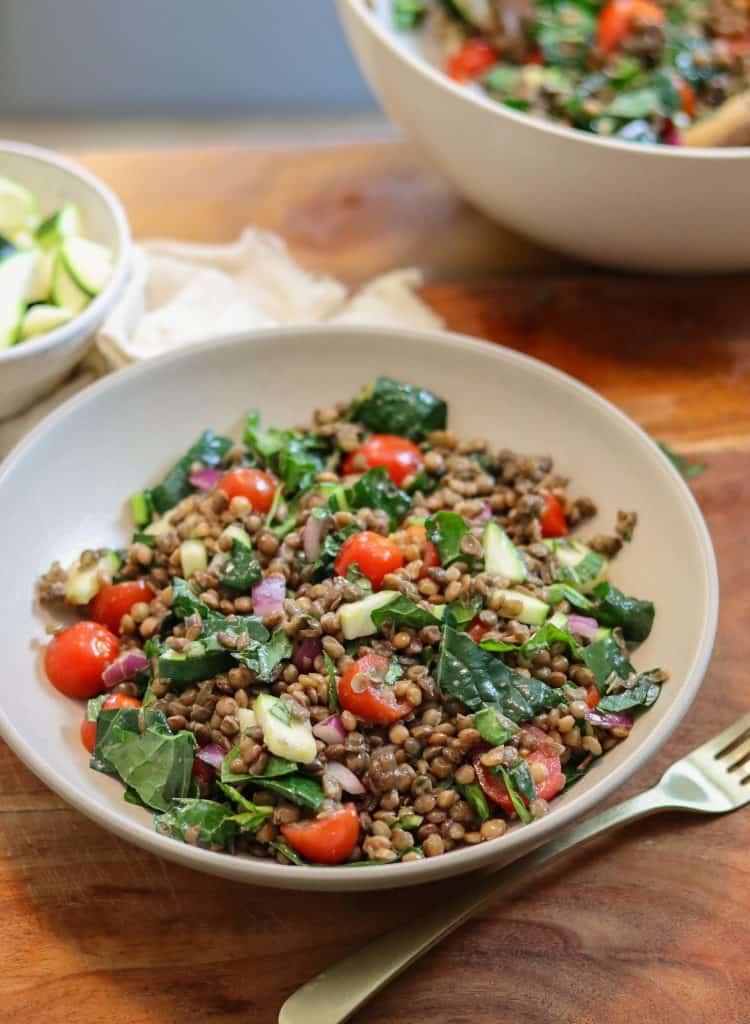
305,655
268,595
583,626
312,535
124,668
345,778
609,719
672,137
486,514
206,479
212,754
331,730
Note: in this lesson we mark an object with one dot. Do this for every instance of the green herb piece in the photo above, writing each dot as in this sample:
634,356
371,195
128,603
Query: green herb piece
140,508
515,798
446,531
139,537
583,572
497,646
355,575
558,592
263,658
333,690
252,815
684,466
643,694
94,706
240,570
215,822
298,789
404,614
521,775
605,658
282,847
460,614
564,33
573,773
394,673
634,617
494,727
473,794
210,449
295,458
375,489
407,14
545,636
281,711
388,407
275,767
329,551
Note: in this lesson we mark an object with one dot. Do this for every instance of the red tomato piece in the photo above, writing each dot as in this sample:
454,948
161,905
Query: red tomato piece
202,771
255,485
546,788
115,701
116,599
477,629
417,534
687,95
326,840
616,19
363,691
474,58
553,521
400,457
592,696
76,657
535,57
88,735
375,555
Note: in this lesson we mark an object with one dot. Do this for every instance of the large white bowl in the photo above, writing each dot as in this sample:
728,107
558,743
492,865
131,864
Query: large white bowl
654,208
92,453
33,368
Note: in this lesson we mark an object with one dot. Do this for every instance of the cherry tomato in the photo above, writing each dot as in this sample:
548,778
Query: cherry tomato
376,702
375,555
115,701
116,599
327,840
88,735
535,57
255,485
553,521
549,786
592,696
687,95
400,457
477,629
417,534
616,19
474,58
76,657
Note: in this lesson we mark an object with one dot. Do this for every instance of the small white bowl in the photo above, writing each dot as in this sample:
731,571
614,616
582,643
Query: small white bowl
492,392
32,368
656,208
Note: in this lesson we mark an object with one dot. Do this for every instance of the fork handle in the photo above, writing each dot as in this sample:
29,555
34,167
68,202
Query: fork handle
332,996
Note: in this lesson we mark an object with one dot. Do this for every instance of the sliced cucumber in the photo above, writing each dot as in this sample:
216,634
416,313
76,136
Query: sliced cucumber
15,275
18,208
356,618
579,565
559,619
41,319
61,224
193,665
284,735
89,264
235,532
40,286
83,582
246,718
533,612
501,557
193,557
65,291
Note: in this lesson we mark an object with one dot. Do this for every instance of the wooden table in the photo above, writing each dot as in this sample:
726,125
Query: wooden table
648,926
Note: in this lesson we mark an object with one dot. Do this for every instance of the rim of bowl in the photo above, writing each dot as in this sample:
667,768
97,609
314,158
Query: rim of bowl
88,317
388,37
341,878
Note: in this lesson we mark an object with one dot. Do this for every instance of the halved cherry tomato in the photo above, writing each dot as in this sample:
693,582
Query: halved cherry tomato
687,95
326,840
88,735
616,18
477,629
494,787
375,555
115,701
592,696
474,58
553,521
255,485
400,457
116,599
417,534
375,701
76,657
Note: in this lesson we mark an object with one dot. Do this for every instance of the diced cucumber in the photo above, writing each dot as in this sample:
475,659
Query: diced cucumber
59,225
83,582
18,208
533,612
559,619
579,565
356,618
7,248
284,735
246,718
40,288
161,525
15,275
193,665
235,532
140,508
501,557
193,557
40,319
65,291
335,495
88,263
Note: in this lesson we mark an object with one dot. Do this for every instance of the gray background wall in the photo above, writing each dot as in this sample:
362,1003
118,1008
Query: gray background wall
133,57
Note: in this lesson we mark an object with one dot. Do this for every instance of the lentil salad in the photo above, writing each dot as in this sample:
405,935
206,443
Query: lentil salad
360,641
656,71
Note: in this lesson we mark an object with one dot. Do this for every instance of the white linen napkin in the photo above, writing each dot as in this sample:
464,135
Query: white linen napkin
182,293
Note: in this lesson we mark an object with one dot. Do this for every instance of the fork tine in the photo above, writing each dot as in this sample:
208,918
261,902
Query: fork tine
718,744
738,755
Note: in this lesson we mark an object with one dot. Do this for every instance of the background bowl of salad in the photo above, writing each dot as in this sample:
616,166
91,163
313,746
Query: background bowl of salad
64,260
617,132
490,392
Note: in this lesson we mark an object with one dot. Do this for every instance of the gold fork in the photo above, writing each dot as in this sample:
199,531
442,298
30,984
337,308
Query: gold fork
713,779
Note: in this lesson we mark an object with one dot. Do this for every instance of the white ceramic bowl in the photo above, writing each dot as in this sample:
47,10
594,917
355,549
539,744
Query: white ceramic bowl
653,208
89,466
34,367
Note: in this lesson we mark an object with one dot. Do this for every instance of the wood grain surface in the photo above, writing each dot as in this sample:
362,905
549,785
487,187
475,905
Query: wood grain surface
648,926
